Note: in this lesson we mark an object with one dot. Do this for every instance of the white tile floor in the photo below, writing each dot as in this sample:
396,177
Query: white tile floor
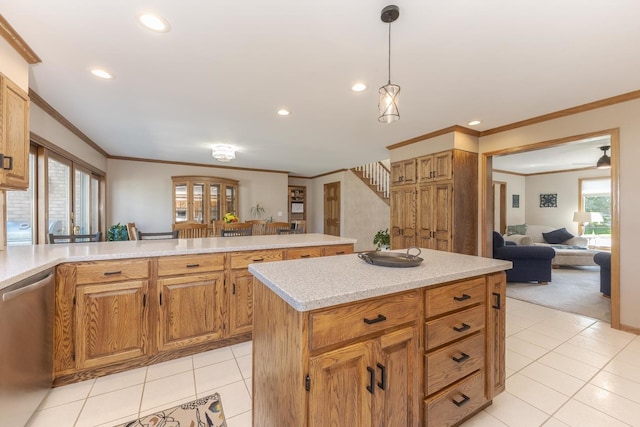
562,370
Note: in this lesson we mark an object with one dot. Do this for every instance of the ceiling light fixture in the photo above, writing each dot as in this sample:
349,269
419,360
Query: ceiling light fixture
474,122
604,161
223,152
283,112
359,87
154,23
101,73
389,93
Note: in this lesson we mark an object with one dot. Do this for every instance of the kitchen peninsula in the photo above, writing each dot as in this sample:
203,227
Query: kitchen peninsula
121,305
337,341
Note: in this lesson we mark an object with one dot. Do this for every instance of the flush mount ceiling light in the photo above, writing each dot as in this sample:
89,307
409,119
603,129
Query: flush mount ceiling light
154,23
359,87
283,112
101,73
474,122
604,161
223,152
389,93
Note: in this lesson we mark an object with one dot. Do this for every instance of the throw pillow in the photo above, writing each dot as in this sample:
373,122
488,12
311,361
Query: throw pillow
516,229
558,236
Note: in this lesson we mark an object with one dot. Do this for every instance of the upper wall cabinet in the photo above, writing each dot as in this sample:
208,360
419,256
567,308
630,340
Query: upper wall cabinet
203,199
435,167
403,172
14,136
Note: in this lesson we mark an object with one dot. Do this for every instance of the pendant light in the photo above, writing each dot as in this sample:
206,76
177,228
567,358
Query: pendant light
604,161
389,93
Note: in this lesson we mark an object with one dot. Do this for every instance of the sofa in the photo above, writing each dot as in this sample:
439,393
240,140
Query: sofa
530,263
571,250
603,259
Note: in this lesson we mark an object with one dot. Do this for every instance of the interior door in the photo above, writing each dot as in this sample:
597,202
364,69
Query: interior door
332,208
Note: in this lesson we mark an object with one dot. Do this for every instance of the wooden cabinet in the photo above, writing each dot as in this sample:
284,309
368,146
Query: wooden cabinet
403,217
111,322
297,203
203,199
442,214
240,294
190,298
403,172
496,332
14,136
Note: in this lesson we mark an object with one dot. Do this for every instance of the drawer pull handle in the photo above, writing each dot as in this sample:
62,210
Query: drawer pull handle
112,273
462,328
258,259
383,376
464,400
462,298
380,318
372,379
193,265
305,256
340,253
498,304
461,359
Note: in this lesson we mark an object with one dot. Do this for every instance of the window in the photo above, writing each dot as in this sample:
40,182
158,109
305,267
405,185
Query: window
21,213
595,196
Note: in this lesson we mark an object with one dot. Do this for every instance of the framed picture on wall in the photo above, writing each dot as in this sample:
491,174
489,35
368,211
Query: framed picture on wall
549,200
515,200
297,207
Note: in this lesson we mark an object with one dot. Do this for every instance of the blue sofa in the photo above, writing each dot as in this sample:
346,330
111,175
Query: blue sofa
530,263
603,259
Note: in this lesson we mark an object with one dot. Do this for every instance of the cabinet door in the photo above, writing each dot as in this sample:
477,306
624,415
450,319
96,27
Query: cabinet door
398,373
14,136
442,216
339,393
403,172
496,330
442,167
424,224
402,217
111,322
240,302
190,310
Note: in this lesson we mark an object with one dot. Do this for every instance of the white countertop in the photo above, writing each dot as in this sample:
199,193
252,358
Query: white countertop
20,262
323,282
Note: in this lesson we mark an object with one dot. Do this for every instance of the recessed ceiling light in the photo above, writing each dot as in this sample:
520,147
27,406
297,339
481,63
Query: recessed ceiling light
154,23
359,87
474,122
101,73
283,112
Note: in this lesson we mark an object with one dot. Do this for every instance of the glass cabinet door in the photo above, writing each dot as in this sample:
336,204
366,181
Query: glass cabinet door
180,202
214,203
231,199
198,203
203,199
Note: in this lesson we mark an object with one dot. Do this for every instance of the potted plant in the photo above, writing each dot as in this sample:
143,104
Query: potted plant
382,240
117,232
257,211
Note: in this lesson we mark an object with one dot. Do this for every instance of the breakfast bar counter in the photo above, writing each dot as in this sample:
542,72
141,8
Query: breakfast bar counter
338,341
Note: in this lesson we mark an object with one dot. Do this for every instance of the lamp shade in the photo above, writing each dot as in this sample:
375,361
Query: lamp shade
584,217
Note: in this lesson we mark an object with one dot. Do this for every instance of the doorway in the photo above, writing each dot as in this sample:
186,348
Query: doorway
332,208
488,196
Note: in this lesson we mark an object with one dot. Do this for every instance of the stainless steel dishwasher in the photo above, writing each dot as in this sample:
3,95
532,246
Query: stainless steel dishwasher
26,343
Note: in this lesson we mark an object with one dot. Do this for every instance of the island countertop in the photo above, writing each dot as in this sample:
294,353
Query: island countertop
323,282
19,262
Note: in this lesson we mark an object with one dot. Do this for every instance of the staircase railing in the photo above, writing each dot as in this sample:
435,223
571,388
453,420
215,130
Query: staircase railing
378,177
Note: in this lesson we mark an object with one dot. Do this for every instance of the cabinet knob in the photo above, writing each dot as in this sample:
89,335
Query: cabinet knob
2,161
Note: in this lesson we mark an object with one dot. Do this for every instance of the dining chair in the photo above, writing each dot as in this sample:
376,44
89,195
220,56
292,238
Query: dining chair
191,230
258,226
74,238
236,229
273,227
300,224
158,235
132,232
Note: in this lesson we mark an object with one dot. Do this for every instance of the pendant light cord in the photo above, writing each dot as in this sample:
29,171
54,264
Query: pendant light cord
389,81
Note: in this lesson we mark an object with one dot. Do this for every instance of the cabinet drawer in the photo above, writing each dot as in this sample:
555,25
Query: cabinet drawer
112,271
453,404
334,325
338,250
243,259
454,326
453,362
308,252
453,297
187,264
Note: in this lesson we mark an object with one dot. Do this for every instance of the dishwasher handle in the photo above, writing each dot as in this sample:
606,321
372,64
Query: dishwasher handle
7,296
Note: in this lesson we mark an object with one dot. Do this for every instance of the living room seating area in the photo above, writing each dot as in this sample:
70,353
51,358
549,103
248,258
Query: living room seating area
530,263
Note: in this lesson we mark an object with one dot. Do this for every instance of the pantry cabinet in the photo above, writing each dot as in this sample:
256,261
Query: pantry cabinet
14,136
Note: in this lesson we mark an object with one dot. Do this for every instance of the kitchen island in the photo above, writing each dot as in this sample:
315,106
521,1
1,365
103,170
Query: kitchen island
337,341
122,305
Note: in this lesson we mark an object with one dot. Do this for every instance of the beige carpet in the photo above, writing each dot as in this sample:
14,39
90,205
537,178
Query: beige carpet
572,289
203,412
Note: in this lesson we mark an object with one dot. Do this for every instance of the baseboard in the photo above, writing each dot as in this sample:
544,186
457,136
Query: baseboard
631,329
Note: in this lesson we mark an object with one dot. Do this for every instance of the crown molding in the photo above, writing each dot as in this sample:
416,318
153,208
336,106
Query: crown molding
17,42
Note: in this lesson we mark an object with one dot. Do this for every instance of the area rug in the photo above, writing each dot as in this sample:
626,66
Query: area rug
204,412
572,289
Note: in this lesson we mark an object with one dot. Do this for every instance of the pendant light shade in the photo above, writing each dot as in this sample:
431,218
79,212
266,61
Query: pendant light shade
389,94
604,161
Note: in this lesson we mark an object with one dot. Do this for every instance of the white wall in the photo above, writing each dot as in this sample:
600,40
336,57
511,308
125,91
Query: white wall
141,192
515,185
315,216
625,117
565,185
